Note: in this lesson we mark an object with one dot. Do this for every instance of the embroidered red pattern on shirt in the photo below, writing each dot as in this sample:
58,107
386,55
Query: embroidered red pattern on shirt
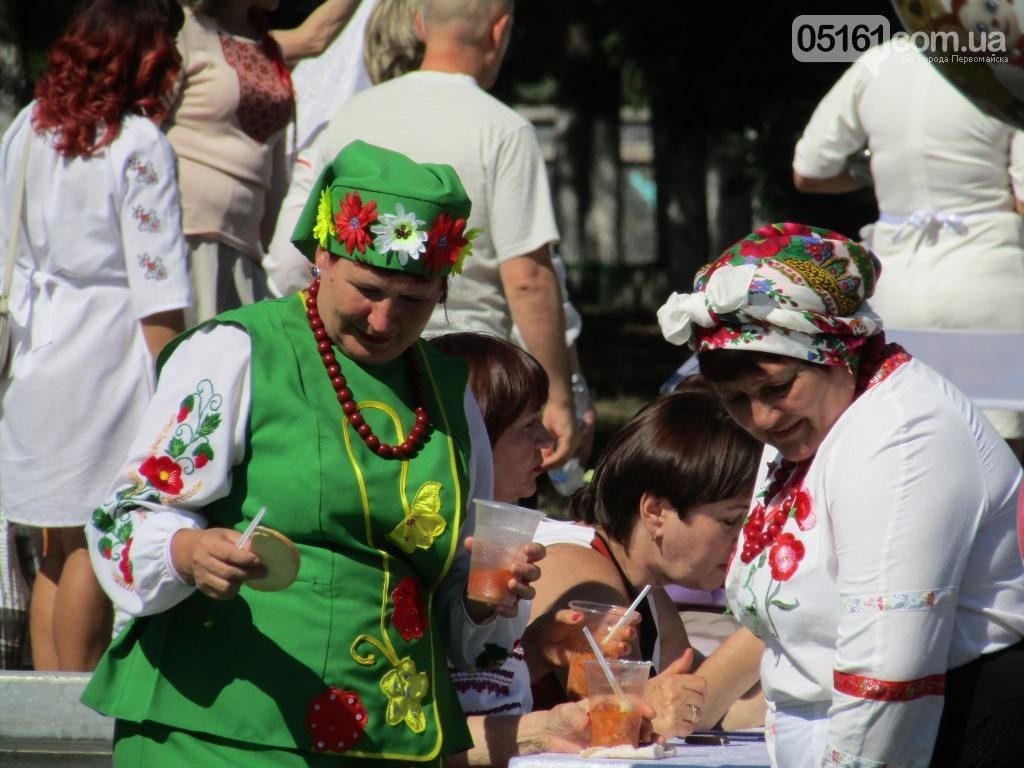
888,690
265,100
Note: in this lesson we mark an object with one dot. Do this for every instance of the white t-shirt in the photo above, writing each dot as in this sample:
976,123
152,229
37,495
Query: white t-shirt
902,564
100,247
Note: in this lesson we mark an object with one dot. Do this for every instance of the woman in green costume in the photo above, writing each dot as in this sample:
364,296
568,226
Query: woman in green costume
363,445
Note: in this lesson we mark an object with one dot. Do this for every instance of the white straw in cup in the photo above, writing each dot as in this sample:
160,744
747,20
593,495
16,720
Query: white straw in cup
632,607
625,704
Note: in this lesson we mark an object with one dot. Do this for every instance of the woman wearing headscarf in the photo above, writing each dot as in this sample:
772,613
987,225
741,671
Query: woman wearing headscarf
879,562
362,444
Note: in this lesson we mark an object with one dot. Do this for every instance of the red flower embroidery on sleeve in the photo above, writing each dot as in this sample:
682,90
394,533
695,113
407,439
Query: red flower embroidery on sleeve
785,555
163,473
336,720
124,563
408,615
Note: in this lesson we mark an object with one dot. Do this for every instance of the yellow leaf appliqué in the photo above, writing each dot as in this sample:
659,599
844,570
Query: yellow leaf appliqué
405,687
423,524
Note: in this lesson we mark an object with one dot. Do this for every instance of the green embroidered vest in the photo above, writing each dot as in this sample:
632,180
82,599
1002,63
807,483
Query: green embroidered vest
376,538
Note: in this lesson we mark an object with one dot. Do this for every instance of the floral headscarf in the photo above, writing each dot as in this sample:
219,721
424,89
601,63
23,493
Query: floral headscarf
788,289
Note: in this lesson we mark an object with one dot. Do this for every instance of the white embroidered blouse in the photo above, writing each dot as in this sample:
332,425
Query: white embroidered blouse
897,559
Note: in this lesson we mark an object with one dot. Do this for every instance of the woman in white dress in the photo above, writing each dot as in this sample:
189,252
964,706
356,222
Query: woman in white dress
99,285
947,179
879,565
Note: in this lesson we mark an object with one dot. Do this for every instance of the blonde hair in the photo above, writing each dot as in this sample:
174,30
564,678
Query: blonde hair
390,45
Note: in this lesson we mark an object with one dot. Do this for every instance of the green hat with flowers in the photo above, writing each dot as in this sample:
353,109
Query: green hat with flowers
378,207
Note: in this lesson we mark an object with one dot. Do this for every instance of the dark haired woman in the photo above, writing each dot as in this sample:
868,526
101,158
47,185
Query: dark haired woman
665,507
98,288
879,562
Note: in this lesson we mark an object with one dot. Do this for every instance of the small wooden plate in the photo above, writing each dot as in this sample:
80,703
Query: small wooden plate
279,556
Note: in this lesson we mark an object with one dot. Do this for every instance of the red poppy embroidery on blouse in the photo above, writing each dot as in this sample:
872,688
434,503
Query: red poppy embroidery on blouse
124,565
888,690
335,720
408,615
763,531
785,556
163,473
265,99
159,476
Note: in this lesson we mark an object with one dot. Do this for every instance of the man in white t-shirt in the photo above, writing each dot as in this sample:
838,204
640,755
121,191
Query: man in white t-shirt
442,113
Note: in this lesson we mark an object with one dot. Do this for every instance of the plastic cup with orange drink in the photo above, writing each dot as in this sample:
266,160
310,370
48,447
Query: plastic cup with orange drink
614,717
500,533
601,619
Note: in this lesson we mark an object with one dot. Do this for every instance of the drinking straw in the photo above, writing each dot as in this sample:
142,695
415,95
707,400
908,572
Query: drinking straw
625,616
252,527
625,704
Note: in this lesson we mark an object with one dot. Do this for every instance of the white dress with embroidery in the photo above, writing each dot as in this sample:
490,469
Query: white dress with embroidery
140,577
100,247
897,560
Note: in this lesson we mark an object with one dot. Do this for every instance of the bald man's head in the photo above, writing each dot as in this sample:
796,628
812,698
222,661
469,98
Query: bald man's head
469,21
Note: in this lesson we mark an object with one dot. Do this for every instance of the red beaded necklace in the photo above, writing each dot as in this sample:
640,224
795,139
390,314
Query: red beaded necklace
764,524
324,345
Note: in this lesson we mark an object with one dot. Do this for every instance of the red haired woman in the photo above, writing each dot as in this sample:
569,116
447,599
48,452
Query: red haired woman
98,286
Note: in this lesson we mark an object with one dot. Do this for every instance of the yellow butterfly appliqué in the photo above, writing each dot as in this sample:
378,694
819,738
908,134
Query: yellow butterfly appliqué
422,524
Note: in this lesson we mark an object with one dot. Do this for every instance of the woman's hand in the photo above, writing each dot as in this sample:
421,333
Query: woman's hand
552,639
568,726
677,697
210,560
524,572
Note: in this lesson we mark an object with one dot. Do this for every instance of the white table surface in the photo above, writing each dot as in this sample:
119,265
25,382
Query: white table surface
736,754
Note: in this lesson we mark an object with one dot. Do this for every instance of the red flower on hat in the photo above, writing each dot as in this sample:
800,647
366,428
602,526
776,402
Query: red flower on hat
353,220
445,240
336,720
408,616
163,473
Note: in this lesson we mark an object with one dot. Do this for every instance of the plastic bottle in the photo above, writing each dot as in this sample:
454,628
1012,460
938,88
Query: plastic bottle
568,478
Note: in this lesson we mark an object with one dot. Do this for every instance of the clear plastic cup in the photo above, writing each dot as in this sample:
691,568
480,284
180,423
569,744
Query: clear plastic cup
600,619
614,718
501,531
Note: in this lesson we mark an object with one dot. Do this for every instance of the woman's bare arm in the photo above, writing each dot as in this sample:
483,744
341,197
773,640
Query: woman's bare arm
313,35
